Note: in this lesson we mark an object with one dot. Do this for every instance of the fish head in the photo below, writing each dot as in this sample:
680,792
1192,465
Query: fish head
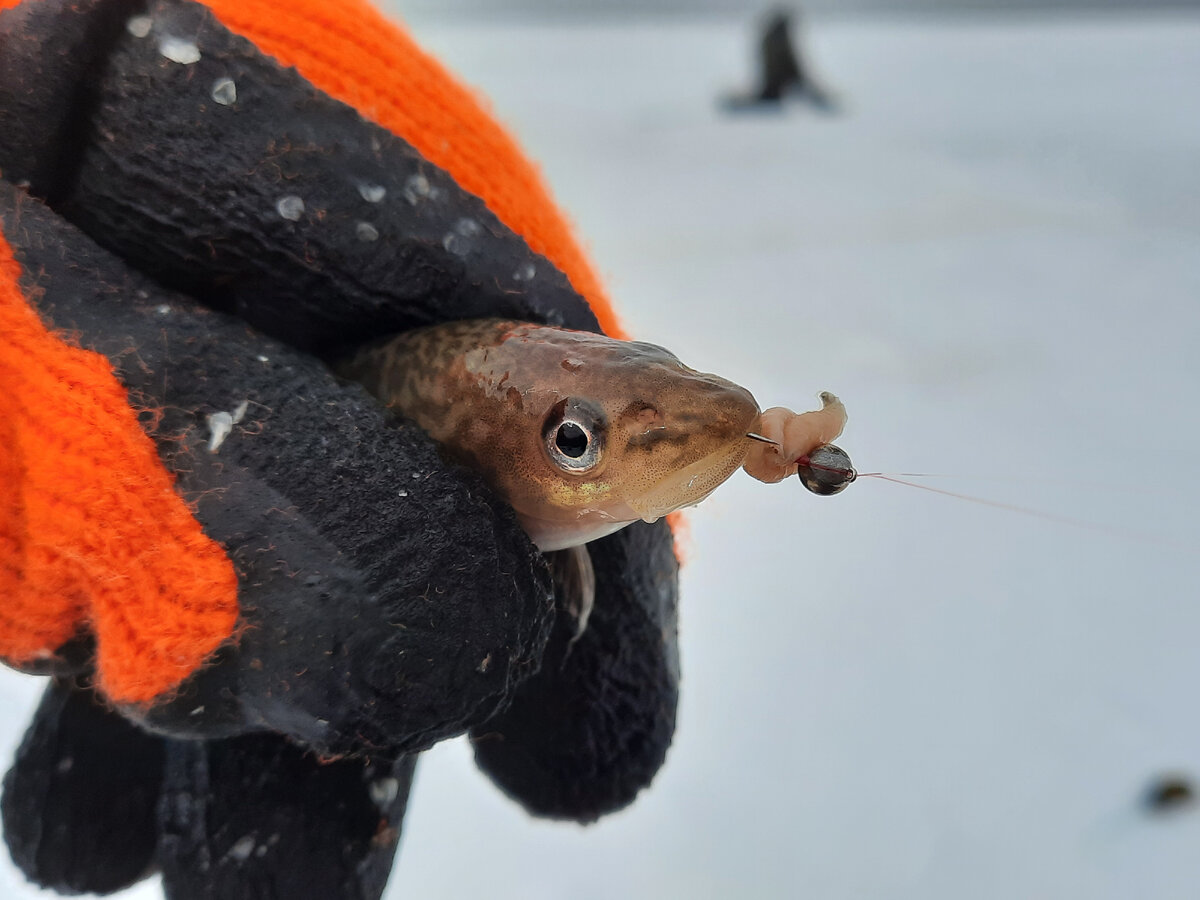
626,432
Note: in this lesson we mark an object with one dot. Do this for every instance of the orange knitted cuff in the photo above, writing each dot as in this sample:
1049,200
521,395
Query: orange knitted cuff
92,533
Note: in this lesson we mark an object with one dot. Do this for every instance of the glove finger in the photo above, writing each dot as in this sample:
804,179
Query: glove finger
80,800
258,197
586,733
43,92
386,601
256,816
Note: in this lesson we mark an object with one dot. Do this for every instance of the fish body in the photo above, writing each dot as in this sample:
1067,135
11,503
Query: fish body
581,433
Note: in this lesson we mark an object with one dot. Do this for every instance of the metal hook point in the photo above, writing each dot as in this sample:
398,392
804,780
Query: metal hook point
761,439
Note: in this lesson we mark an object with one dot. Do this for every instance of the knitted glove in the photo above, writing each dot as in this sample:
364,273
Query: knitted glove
259,593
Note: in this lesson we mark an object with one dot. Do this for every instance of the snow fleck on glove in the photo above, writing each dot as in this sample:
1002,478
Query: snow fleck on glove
258,593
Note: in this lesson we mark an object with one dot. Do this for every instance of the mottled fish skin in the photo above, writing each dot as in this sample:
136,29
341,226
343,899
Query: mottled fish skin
488,390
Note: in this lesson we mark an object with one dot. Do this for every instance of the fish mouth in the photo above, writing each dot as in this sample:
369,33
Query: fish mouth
689,485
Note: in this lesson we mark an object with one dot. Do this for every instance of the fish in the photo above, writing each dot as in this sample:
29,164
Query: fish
581,433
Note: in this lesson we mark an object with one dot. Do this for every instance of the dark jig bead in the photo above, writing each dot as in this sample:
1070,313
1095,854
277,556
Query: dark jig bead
826,470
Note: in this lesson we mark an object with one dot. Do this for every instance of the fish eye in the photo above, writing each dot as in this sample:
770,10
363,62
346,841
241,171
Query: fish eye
571,440
574,436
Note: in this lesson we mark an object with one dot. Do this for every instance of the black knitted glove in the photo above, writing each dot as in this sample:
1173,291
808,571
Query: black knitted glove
386,600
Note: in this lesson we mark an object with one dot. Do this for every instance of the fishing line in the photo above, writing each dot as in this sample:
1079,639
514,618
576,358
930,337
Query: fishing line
1110,530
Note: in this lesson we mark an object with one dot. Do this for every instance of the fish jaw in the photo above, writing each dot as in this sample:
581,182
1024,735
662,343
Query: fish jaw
691,484
685,487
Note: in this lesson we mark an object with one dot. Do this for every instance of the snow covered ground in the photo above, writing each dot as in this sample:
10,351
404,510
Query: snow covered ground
993,257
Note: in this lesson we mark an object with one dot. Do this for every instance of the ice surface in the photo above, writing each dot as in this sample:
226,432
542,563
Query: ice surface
993,258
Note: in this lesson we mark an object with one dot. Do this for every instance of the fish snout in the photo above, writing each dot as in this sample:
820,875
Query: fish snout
719,412
695,448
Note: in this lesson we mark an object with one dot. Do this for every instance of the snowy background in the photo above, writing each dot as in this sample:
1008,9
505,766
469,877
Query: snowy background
993,257
574,9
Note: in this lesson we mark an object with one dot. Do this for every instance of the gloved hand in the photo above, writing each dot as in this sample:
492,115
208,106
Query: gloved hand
259,593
